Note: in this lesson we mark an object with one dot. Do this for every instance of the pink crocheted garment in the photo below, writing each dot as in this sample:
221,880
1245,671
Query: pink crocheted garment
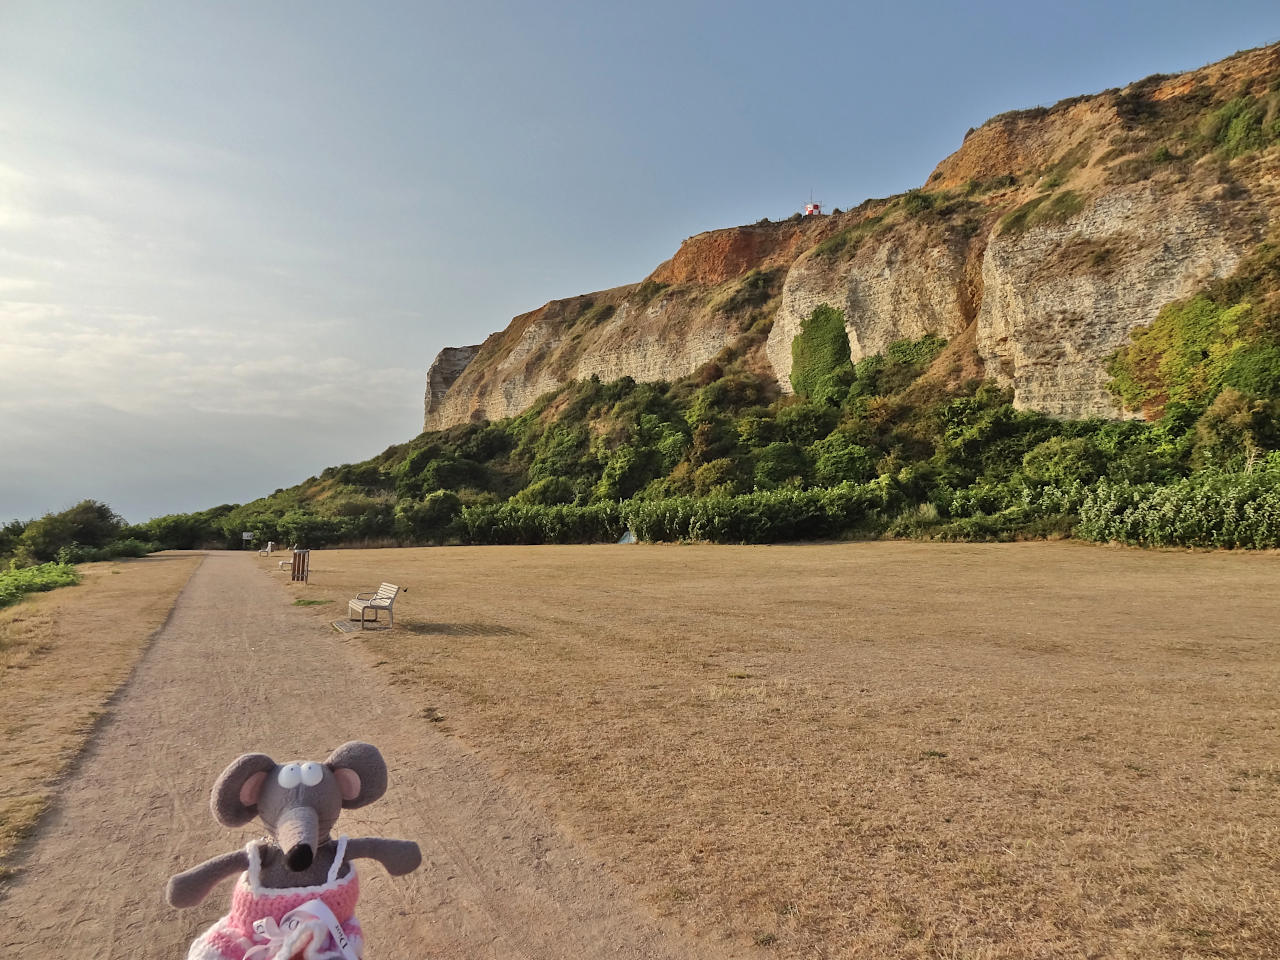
233,936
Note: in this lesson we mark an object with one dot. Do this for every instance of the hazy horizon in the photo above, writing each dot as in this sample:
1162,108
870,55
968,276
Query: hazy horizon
233,237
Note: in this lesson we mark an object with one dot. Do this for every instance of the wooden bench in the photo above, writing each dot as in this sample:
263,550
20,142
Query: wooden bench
383,598
300,566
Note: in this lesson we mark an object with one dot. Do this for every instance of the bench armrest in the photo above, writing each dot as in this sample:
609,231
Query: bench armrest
367,595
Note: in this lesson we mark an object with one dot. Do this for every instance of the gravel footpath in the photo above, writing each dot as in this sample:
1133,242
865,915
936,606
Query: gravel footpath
237,669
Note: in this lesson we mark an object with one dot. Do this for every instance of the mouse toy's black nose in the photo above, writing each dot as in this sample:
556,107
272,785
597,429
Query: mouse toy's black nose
299,858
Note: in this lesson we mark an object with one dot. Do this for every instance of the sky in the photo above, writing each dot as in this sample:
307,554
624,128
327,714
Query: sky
233,236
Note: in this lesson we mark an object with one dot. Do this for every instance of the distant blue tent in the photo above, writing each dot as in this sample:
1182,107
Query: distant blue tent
628,537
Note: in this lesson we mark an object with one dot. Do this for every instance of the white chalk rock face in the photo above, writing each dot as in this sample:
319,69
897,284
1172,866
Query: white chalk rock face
662,338
1059,299
899,285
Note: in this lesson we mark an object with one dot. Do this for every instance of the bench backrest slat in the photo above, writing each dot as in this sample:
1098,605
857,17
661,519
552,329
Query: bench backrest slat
387,591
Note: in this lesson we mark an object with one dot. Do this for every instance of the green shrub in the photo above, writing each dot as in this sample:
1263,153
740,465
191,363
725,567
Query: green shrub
181,531
510,523
16,583
761,517
919,353
127,547
87,524
902,362
720,476
368,474
917,201
1228,335
307,529
1241,126
1002,182
647,291
713,439
805,423
838,458
1212,509
562,451
833,389
727,394
754,290
1235,430
452,473
1061,460
780,463
1019,219
1182,356
547,492
628,469
431,519
758,432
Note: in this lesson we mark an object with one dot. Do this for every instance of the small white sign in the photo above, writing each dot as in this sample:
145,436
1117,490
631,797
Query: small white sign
246,535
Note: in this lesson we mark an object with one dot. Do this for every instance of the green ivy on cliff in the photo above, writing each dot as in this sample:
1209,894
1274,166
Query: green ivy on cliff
820,349
1227,336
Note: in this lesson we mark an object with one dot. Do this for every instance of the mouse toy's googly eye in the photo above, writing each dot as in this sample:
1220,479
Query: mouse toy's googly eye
290,776
312,773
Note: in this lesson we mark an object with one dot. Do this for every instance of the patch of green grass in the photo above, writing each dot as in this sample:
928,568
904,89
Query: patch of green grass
917,201
1073,158
846,242
754,290
1019,219
1002,182
596,314
309,603
648,290
1244,125
1047,208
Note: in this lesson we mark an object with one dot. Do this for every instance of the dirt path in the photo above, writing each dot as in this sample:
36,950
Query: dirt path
237,669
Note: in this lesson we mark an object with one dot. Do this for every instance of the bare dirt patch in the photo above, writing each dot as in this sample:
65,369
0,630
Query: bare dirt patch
898,749
63,655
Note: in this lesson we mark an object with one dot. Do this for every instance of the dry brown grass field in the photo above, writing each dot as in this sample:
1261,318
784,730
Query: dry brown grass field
63,654
877,749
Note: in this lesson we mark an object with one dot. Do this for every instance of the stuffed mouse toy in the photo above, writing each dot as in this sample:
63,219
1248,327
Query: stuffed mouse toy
296,896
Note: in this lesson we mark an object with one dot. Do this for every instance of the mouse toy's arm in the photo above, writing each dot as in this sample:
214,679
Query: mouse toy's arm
398,856
191,886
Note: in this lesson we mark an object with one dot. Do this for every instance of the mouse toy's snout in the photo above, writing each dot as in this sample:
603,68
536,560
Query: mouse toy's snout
297,832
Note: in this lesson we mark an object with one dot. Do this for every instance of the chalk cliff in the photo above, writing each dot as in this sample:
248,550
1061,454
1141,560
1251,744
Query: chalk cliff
1045,239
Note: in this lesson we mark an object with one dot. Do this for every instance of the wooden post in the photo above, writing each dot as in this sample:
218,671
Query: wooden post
301,571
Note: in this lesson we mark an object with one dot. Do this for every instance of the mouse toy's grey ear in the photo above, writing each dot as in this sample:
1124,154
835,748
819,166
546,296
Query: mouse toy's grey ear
235,796
360,771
